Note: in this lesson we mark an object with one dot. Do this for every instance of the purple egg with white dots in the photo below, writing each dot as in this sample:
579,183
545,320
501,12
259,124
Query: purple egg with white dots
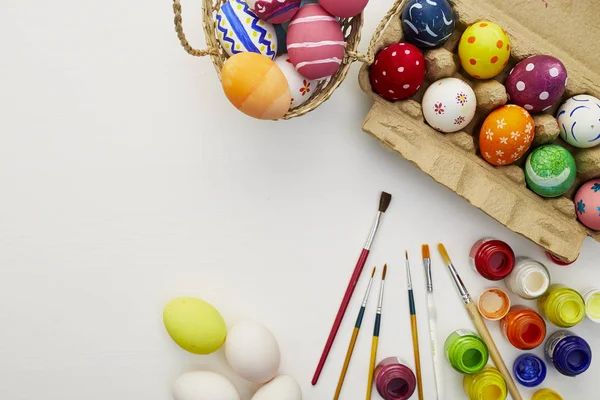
536,83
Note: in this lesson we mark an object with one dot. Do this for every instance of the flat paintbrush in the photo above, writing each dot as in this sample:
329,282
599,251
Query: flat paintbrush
481,327
359,319
375,342
384,202
432,317
414,330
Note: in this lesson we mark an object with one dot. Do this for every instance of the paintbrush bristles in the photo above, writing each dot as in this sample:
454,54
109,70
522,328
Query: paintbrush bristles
384,201
406,254
384,272
444,254
425,249
373,273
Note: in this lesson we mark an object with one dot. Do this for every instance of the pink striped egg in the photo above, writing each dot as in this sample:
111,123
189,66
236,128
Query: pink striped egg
315,42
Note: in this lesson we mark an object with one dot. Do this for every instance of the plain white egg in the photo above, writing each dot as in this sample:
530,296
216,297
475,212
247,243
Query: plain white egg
252,351
283,387
204,385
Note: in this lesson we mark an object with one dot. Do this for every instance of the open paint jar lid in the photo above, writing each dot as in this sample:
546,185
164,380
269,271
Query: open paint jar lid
546,394
494,304
592,304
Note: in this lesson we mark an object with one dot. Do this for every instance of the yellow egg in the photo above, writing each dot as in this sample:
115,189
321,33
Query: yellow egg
255,85
194,325
484,50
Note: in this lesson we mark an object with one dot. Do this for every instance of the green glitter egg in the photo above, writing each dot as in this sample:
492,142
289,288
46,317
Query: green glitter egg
550,170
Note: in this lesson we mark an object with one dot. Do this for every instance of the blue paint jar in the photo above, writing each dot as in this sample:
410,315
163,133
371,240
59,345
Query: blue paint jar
570,354
529,370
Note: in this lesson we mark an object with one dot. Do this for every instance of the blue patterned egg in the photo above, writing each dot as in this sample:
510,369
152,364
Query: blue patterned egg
427,23
239,30
579,121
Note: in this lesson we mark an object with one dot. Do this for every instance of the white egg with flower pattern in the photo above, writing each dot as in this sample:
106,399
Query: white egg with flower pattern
449,105
579,121
301,88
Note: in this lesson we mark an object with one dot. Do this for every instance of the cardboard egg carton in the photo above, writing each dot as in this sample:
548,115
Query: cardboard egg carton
566,29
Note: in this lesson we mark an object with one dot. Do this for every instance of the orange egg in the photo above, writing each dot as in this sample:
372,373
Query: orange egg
506,135
255,85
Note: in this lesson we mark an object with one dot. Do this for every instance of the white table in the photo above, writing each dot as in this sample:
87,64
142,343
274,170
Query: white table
127,179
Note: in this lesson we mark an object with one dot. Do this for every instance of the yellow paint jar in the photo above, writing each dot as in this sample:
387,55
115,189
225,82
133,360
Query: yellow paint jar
485,385
546,394
564,307
592,304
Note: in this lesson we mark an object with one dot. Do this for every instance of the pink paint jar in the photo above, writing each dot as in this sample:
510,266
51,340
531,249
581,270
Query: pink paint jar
394,380
493,259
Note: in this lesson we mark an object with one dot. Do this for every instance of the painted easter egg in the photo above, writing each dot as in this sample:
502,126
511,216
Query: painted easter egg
255,85
587,204
240,30
484,50
194,325
204,385
579,121
315,42
274,11
300,88
428,23
537,82
550,170
252,351
449,105
506,134
344,8
398,71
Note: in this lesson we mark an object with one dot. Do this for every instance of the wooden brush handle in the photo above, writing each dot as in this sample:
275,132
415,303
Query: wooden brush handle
494,353
415,338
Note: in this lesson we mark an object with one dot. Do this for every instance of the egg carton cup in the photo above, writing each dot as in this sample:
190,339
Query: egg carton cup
453,159
351,28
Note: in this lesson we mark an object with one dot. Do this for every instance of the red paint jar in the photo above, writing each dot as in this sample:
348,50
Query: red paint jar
492,259
524,328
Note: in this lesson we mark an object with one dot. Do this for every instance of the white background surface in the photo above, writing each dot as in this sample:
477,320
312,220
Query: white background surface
127,179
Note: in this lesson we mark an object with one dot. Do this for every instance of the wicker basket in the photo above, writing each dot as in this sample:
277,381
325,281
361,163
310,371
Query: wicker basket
351,28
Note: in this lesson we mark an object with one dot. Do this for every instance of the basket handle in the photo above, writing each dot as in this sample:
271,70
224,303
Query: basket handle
369,58
178,20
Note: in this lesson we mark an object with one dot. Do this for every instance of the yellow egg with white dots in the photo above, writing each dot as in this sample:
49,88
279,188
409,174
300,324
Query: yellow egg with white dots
484,50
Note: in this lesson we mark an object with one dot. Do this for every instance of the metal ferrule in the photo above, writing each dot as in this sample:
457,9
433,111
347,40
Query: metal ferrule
408,277
462,289
427,262
373,230
364,302
380,303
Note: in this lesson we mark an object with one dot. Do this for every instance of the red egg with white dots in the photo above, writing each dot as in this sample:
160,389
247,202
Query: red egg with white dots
398,71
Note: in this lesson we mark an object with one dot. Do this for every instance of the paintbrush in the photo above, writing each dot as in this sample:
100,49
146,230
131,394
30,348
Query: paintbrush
384,202
359,319
432,317
414,329
375,342
480,325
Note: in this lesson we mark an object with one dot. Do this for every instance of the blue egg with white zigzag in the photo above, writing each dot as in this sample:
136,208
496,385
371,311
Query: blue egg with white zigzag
579,121
239,30
427,23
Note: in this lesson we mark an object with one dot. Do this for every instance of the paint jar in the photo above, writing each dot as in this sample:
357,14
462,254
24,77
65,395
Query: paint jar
558,261
466,352
529,370
546,394
494,304
529,279
394,380
592,304
570,354
485,385
562,306
492,259
523,327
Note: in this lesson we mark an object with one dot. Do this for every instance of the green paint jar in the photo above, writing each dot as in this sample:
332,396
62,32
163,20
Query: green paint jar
485,385
466,352
562,306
